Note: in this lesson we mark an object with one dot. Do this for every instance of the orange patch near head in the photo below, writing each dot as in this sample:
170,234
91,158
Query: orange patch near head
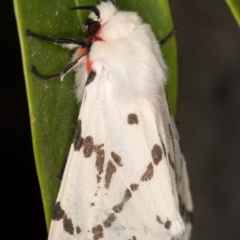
80,52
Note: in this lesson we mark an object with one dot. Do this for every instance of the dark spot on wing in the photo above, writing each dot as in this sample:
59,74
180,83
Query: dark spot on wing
77,139
91,77
92,204
60,175
132,119
68,225
159,220
98,232
78,229
98,179
111,169
108,222
167,224
132,238
163,145
119,207
134,187
156,154
127,195
148,174
116,159
58,212
100,158
88,146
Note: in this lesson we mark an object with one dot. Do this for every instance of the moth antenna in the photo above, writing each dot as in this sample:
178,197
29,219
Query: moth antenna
91,8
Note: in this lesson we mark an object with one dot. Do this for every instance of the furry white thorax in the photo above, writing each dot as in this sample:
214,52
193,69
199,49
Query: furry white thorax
124,34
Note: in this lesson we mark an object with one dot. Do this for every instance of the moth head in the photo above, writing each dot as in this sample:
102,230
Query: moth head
100,14
92,25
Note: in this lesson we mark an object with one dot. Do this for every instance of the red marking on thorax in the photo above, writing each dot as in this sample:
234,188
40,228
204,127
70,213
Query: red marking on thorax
97,38
88,64
83,51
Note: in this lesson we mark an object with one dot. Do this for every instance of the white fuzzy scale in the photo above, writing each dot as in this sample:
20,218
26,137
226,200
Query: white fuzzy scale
125,177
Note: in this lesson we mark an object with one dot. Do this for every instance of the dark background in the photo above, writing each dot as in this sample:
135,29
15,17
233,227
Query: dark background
208,112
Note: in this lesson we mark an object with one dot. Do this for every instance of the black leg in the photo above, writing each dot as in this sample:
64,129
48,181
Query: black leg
168,36
60,41
60,74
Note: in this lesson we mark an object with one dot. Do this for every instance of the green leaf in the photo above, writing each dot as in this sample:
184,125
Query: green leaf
52,104
234,5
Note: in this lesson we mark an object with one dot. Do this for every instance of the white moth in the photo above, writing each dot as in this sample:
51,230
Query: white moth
125,176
